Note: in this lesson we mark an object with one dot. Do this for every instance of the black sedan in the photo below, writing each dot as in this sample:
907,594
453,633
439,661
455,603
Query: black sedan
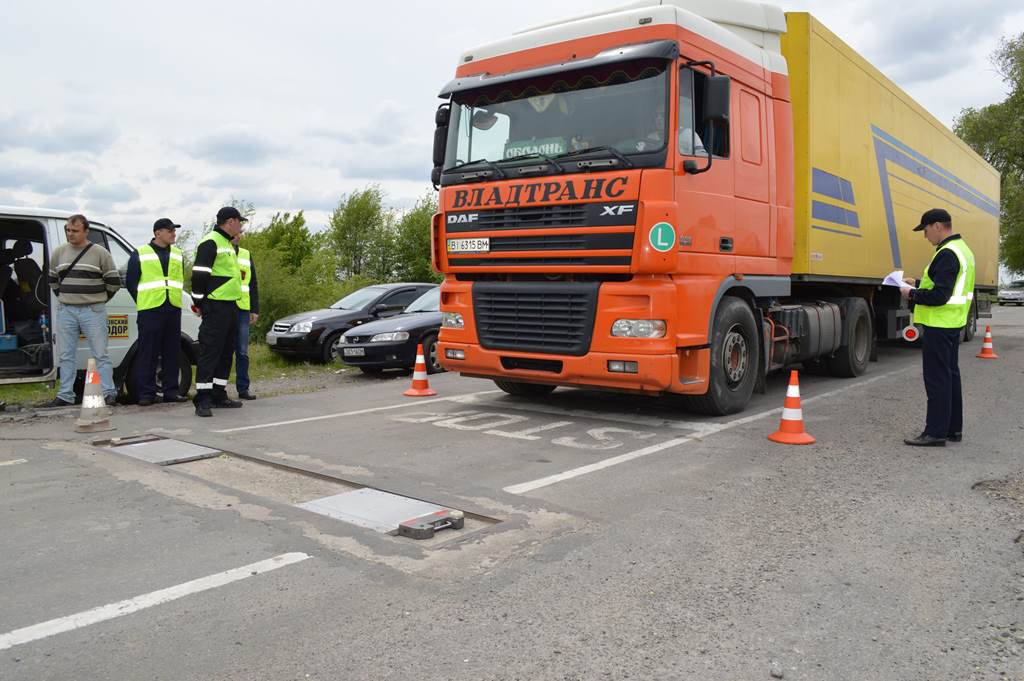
391,343
313,334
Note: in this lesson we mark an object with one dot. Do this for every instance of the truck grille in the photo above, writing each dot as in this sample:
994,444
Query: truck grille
556,318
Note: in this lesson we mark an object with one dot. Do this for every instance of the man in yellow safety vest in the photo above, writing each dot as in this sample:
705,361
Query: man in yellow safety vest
155,279
942,302
248,313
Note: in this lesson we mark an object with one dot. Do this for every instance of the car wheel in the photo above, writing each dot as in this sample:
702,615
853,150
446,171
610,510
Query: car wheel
430,354
327,352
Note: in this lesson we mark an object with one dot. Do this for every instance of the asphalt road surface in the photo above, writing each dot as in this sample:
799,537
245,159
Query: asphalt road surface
606,537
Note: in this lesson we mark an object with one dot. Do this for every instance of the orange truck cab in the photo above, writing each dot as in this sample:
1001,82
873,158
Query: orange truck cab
681,197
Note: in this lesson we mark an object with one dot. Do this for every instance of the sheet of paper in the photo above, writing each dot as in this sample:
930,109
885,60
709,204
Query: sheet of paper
895,278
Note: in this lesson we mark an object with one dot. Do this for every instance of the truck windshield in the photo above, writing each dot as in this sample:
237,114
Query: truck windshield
620,107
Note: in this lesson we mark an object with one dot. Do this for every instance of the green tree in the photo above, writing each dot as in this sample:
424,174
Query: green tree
287,235
996,132
355,226
413,242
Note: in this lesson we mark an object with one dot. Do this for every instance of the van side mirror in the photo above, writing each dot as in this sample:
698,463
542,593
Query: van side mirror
440,141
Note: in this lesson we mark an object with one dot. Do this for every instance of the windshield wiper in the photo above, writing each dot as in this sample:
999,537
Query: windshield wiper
497,171
524,157
607,150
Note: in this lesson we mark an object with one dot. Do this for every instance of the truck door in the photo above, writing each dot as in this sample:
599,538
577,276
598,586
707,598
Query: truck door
706,200
753,210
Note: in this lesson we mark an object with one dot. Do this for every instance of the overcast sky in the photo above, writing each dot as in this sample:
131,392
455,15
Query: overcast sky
129,111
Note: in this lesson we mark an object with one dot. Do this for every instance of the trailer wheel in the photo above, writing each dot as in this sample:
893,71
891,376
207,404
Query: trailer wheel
851,359
520,389
734,361
971,328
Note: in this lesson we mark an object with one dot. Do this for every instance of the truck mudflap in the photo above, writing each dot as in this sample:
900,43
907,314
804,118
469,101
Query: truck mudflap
682,372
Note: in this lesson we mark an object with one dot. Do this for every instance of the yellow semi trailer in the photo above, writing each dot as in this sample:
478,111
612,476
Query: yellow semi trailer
869,160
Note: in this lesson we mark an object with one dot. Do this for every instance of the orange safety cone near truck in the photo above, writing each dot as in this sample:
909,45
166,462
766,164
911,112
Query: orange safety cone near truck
791,428
420,384
987,351
93,418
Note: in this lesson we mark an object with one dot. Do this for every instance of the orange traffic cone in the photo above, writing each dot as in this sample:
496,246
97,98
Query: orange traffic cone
987,351
420,385
93,418
791,428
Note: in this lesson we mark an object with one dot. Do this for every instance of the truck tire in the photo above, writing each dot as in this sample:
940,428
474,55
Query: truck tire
851,359
734,361
971,328
430,357
520,389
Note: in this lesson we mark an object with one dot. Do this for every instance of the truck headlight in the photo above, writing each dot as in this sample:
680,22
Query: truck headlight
302,327
390,337
639,328
452,320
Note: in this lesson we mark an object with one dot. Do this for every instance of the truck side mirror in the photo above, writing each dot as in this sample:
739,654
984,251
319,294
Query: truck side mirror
440,142
716,99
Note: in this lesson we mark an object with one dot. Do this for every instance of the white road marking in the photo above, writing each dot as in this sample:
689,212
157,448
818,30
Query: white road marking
403,405
107,612
525,487
13,462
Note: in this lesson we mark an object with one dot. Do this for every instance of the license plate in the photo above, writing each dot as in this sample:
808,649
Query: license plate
271,340
469,245
354,352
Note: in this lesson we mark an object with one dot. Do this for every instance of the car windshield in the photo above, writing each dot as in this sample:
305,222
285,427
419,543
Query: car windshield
358,299
428,302
619,106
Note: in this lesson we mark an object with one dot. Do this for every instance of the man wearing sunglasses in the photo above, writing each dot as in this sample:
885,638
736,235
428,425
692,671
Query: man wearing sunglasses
156,280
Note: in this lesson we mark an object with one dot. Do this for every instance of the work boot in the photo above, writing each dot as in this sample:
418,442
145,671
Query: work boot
925,440
110,400
246,395
955,437
226,403
173,399
203,407
57,402
145,401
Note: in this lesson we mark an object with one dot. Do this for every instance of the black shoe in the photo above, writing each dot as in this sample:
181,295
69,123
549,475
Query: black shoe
174,399
955,437
203,409
145,401
111,401
227,403
924,440
246,395
57,402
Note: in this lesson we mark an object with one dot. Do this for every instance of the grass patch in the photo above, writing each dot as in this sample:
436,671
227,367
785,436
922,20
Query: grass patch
264,366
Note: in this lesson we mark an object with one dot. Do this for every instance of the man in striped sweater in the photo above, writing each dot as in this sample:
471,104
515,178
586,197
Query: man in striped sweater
84,277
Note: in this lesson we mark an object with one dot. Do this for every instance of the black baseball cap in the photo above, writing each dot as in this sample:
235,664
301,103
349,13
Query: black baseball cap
165,223
228,212
934,215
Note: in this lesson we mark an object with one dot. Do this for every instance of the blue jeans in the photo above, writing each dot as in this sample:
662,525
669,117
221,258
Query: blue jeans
91,322
242,353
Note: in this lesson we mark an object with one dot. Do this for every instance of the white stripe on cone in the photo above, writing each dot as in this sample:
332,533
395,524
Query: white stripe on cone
792,414
419,375
93,402
793,391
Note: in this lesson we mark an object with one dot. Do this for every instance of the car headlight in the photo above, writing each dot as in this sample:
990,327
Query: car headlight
639,328
452,320
390,337
302,327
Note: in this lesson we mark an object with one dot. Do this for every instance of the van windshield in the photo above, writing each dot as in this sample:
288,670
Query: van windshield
619,106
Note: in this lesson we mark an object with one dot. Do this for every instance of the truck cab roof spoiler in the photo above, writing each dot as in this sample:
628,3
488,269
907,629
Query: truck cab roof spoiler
658,49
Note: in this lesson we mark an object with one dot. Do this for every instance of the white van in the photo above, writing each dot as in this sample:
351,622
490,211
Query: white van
28,351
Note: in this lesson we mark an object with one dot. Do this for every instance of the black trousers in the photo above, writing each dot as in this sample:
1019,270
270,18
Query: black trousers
159,339
940,357
216,344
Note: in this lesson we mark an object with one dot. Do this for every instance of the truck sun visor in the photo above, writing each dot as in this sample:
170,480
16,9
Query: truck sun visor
659,49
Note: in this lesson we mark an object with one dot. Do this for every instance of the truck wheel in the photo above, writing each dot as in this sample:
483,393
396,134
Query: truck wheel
971,327
520,389
734,361
851,359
